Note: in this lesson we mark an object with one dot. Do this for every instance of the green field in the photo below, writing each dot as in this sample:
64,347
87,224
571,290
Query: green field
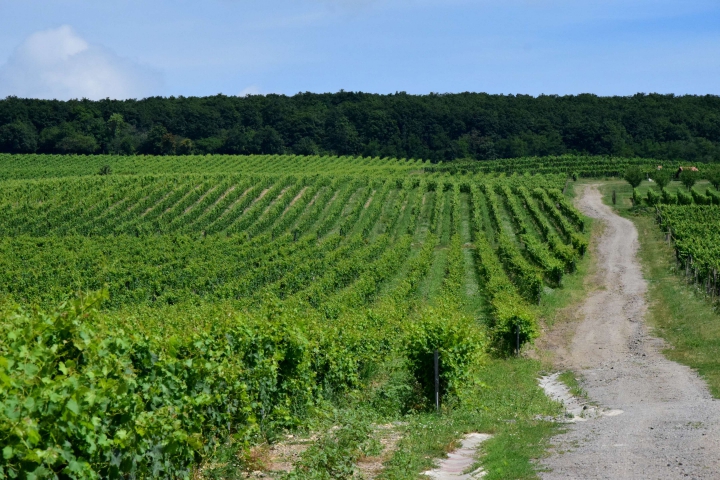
244,297
174,316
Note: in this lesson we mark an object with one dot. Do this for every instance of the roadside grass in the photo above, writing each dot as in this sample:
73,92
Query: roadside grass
507,404
570,380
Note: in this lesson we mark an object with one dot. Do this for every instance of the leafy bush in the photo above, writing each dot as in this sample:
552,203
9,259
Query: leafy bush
634,176
335,454
689,177
636,198
668,198
653,198
461,345
77,404
662,178
684,198
713,176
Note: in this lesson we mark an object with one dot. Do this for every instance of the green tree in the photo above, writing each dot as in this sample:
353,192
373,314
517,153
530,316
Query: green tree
713,176
18,137
689,177
124,145
306,146
154,141
185,147
77,143
662,178
634,176
168,144
116,125
269,141
239,141
51,136
340,135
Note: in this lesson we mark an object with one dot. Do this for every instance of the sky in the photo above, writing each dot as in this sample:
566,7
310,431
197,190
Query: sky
133,49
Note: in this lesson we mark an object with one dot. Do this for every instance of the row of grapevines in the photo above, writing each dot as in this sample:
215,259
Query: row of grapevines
526,278
563,252
309,270
241,192
48,166
682,198
394,215
696,236
293,212
374,210
435,217
351,218
509,309
534,248
567,208
579,242
193,212
242,202
278,207
259,205
567,165
338,205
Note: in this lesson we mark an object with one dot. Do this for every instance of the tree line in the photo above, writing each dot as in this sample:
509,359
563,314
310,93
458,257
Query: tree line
437,127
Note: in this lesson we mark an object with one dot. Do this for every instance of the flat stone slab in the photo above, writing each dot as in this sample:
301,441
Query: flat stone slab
460,460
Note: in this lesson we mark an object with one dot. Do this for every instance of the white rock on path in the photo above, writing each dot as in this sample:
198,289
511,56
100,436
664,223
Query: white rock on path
460,460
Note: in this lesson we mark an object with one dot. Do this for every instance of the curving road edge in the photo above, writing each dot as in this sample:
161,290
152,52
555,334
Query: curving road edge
670,425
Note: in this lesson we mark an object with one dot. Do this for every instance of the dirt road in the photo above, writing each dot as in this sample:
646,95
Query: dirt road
670,425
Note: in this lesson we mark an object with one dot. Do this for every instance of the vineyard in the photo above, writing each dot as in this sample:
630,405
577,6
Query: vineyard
665,197
237,302
46,166
695,231
569,165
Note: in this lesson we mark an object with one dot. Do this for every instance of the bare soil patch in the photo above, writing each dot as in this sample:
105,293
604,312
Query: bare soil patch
257,199
199,200
151,207
369,200
295,199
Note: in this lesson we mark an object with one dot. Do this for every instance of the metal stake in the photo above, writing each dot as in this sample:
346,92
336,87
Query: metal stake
517,340
437,381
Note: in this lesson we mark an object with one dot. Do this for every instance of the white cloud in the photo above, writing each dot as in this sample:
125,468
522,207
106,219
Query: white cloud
251,90
59,64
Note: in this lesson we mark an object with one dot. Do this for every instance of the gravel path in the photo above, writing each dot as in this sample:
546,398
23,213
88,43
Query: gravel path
670,425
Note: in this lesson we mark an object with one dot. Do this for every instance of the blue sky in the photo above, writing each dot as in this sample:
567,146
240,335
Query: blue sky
132,48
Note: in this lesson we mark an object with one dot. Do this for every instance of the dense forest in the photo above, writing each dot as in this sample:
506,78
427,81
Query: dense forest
435,127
